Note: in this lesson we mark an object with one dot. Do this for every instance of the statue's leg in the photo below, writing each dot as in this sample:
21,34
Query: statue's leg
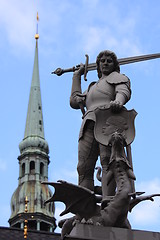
88,151
107,189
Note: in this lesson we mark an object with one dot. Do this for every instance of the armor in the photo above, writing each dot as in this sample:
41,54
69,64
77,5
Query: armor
99,94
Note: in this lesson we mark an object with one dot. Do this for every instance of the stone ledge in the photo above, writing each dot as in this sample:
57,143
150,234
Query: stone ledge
90,232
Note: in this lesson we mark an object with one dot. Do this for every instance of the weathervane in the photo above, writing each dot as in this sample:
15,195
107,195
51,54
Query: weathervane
37,35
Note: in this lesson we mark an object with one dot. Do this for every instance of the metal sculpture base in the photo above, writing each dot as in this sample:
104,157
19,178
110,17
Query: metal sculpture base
90,232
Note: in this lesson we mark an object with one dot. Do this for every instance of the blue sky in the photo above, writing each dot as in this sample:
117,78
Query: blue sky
68,30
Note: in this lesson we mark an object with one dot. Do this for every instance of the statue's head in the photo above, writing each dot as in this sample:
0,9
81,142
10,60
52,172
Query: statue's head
112,56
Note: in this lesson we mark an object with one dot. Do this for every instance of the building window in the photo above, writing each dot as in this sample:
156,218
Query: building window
42,169
32,167
13,207
23,169
41,200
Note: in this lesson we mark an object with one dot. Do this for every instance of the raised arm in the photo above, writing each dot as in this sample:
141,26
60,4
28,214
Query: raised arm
77,98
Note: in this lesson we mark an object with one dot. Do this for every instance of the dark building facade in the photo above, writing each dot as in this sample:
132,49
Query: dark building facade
17,234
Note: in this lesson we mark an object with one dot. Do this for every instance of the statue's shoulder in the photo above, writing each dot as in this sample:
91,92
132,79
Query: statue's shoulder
116,78
90,85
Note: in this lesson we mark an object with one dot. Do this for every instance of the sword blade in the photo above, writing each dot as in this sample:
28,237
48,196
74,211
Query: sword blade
122,61
128,60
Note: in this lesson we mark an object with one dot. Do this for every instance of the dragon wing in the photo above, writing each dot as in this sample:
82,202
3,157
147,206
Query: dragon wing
77,199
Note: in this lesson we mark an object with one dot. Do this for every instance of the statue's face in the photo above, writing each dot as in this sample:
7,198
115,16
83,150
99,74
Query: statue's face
106,65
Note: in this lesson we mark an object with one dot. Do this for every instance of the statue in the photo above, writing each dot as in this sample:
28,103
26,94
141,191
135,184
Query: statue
107,131
111,90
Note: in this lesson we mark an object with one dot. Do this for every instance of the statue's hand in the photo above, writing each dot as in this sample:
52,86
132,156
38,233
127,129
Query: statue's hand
116,106
80,71
80,98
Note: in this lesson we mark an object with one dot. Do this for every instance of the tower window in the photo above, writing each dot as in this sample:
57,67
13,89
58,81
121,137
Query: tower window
13,207
42,169
32,167
23,169
49,207
41,199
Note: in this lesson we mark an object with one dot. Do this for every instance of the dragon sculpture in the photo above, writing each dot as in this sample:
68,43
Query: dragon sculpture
85,203
90,207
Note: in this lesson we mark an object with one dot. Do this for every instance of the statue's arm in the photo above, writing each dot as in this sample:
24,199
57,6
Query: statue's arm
122,95
123,92
77,97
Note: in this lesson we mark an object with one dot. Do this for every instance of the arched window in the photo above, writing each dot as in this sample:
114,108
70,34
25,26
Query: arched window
50,207
42,168
32,167
13,207
41,199
23,169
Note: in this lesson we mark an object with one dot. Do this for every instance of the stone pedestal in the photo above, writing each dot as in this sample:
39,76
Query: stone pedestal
90,232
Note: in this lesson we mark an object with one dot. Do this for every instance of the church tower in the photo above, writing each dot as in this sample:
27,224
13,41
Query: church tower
33,165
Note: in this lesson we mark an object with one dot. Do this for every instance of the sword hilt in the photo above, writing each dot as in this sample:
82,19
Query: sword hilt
86,67
60,71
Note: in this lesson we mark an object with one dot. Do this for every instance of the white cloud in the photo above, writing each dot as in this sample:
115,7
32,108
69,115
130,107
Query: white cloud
60,207
150,186
104,27
99,38
147,213
17,19
66,175
3,165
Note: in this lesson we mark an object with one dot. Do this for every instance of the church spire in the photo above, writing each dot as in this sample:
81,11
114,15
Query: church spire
33,165
34,122
34,129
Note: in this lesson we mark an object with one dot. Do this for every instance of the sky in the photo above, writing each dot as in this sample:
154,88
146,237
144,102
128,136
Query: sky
68,30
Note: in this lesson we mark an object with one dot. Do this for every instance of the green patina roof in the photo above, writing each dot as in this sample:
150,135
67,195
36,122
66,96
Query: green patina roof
34,123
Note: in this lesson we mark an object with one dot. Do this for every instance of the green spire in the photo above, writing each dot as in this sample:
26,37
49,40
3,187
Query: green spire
34,122
34,130
33,165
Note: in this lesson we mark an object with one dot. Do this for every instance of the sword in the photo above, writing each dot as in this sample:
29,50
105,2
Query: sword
93,66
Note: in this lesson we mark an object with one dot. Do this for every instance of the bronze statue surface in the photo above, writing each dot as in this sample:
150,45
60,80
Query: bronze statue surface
107,131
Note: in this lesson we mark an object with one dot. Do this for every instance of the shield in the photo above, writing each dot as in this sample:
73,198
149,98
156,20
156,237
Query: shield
108,122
